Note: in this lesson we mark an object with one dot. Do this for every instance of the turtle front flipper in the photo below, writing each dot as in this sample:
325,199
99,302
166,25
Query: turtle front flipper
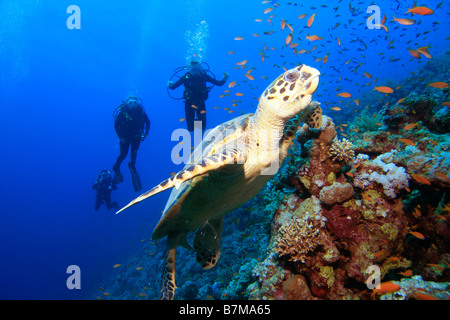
206,165
314,120
207,242
168,273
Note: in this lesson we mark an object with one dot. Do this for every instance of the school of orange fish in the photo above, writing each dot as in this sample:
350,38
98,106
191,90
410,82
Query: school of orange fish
329,51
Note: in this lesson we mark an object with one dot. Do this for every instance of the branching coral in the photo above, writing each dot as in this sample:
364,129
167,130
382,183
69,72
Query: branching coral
341,150
296,239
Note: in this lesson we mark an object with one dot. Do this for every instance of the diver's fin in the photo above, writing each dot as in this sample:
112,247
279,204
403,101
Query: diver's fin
118,178
204,166
136,180
168,273
207,243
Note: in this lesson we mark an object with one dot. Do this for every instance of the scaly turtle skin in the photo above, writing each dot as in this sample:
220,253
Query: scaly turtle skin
231,165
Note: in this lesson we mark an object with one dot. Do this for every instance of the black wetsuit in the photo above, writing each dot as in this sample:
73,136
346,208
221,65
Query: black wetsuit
195,94
130,124
104,185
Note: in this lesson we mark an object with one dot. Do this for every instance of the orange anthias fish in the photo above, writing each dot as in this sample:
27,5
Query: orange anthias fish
409,126
422,11
439,85
268,10
311,20
384,89
424,51
414,53
386,287
408,142
344,95
420,179
405,22
288,39
407,273
238,38
418,235
313,38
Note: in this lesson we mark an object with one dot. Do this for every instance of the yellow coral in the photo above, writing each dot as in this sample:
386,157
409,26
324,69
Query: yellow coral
328,273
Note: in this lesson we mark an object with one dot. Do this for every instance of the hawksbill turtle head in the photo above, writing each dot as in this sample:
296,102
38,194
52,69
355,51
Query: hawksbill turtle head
291,92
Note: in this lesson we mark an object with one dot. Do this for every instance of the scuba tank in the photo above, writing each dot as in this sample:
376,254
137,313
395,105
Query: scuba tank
177,73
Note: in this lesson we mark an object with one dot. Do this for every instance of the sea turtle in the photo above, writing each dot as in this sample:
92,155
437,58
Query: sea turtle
231,165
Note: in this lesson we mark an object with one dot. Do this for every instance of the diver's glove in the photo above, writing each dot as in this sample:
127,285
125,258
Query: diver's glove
225,75
169,84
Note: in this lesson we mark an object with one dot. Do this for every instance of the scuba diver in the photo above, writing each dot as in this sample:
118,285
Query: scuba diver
195,91
104,185
132,125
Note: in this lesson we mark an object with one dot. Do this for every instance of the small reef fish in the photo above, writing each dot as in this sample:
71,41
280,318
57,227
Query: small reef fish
239,38
336,109
414,53
424,51
313,38
288,39
408,142
268,10
386,287
407,273
383,89
420,179
409,126
405,22
311,20
422,11
344,95
439,85
418,235
116,265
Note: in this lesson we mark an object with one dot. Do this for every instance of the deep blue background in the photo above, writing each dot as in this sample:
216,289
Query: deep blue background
59,87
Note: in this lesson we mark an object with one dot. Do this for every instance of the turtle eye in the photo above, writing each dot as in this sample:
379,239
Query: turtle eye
292,76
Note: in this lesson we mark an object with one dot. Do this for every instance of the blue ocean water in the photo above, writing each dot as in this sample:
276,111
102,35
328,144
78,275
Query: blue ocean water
60,86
